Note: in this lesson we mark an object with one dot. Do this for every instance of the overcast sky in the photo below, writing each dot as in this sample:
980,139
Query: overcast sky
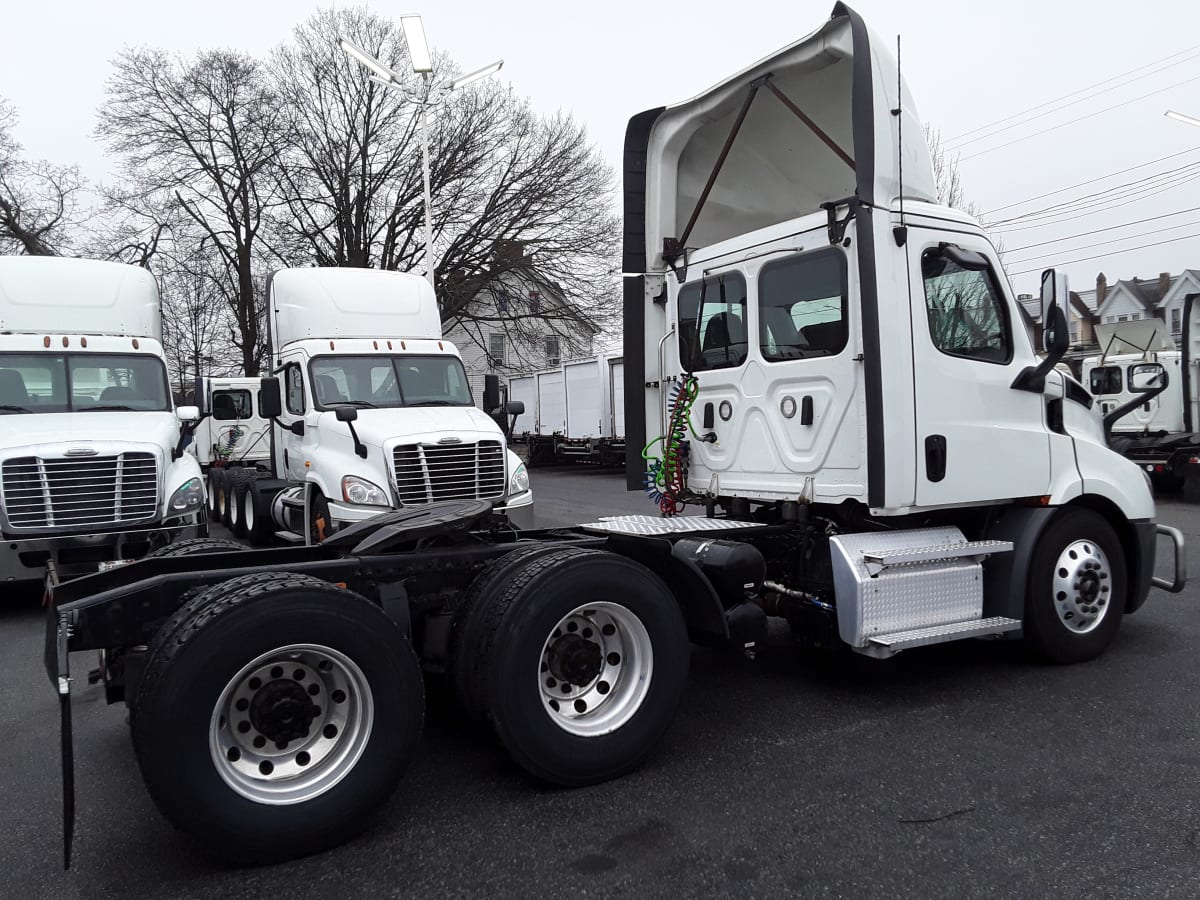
967,63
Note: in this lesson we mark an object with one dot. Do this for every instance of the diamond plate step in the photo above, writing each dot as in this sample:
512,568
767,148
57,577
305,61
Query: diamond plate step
940,634
652,525
878,560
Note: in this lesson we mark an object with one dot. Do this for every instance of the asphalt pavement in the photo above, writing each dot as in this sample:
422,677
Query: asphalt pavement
968,770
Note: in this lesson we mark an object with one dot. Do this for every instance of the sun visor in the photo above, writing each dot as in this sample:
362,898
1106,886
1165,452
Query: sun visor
1142,336
810,124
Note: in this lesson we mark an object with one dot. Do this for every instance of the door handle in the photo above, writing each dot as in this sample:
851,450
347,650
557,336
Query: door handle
806,411
935,457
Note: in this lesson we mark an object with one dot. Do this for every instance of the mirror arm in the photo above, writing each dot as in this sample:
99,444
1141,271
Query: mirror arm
1033,378
186,430
359,447
1129,406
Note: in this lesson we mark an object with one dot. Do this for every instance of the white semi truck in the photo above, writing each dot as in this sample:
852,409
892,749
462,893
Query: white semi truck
831,372
1158,430
91,468
573,412
376,414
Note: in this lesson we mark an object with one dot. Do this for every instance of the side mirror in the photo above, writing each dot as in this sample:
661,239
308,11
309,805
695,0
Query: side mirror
200,395
188,413
1147,377
270,403
491,393
346,414
1056,296
515,407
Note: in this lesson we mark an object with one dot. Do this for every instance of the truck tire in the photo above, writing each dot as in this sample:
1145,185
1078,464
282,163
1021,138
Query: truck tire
256,512
584,659
193,546
237,514
231,748
228,496
468,625
1077,585
216,478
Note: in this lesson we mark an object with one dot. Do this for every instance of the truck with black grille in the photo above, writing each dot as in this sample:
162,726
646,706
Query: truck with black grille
377,414
91,468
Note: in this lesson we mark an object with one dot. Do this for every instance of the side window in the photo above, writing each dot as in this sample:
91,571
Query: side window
712,323
802,306
228,405
1105,380
967,314
295,390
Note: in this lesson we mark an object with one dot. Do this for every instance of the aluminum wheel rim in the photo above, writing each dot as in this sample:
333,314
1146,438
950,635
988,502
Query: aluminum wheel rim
248,510
212,496
1082,586
246,730
595,669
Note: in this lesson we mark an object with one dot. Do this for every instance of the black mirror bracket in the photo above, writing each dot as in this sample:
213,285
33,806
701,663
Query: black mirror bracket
1033,378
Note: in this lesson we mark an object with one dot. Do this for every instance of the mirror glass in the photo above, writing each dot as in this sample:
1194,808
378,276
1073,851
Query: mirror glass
1147,377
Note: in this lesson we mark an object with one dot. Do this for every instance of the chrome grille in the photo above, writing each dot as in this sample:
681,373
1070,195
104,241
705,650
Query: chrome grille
80,492
426,473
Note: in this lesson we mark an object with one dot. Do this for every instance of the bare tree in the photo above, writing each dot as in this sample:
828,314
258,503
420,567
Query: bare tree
197,322
40,202
204,134
522,204
947,178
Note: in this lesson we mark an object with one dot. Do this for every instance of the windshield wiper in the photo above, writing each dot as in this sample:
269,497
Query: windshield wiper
365,404
436,403
113,408
12,409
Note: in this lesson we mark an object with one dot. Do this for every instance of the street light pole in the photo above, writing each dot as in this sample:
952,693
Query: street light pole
433,92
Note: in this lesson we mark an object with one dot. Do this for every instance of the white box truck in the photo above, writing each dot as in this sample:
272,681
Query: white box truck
879,458
573,412
376,413
91,468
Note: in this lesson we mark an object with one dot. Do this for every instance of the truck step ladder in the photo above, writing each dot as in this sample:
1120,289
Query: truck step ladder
919,637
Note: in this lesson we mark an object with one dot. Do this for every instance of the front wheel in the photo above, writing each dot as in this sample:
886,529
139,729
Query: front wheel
276,715
1077,585
584,659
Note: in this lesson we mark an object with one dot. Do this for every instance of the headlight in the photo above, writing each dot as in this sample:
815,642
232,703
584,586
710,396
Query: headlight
187,496
364,493
519,483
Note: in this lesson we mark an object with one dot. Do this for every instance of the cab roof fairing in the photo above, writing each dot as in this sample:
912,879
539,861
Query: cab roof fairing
778,168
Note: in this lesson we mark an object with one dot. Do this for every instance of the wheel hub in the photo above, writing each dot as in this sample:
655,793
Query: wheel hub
282,711
1082,586
575,660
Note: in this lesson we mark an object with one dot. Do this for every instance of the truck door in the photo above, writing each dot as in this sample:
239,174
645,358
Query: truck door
289,451
977,438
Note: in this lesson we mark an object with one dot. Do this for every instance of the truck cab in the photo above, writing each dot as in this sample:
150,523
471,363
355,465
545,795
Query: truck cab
90,464
376,410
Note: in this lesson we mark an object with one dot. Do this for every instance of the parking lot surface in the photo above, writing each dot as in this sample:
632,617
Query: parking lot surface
966,770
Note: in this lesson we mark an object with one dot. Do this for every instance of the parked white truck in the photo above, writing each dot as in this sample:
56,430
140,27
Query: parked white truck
376,414
573,412
91,469
1156,430
837,383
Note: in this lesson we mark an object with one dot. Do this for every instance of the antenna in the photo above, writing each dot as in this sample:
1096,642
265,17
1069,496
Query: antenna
900,233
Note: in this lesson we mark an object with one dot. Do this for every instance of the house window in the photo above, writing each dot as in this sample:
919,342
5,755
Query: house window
552,355
502,301
496,347
1122,318
1074,331
1135,316
1176,321
535,302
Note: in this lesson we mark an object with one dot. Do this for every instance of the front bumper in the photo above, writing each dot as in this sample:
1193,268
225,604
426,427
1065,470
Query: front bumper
1147,549
519,510
24,559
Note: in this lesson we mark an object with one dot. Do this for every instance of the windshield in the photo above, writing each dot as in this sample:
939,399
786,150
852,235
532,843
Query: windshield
78,382
389,381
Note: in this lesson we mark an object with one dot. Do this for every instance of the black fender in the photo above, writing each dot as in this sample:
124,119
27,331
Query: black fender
1006,575
702,608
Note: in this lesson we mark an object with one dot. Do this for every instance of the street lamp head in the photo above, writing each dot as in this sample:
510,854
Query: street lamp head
489,69
418,47
1180,117
361,56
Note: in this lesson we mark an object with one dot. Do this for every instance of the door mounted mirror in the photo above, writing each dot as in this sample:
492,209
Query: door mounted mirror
1147,377
1056,295
270,401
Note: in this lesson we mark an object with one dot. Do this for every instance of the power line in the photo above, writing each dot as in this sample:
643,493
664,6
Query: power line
1068,262
1083,118
1091,212
1127,237
1072,237
959,144
1072,94
1090,181
1103,197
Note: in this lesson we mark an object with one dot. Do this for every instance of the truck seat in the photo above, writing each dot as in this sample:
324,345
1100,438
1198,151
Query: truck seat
327,390
12,388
